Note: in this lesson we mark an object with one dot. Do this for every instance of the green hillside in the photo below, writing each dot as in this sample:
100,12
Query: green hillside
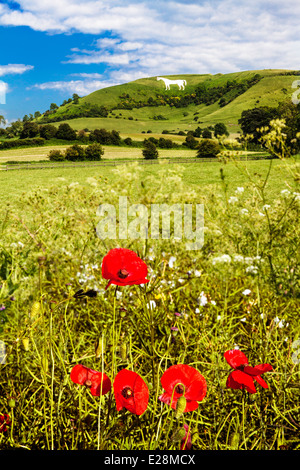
144,104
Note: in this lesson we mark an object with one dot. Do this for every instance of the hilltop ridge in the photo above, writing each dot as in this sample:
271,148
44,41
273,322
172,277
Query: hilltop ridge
206,99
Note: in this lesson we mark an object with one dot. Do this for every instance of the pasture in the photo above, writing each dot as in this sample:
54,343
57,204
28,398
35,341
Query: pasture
240,292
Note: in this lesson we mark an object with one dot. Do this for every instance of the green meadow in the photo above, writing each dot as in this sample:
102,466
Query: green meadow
240,290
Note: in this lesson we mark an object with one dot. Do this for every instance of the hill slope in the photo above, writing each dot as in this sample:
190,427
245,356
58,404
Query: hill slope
145,104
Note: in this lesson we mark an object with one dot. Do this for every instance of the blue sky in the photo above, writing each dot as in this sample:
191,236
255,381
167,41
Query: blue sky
51,49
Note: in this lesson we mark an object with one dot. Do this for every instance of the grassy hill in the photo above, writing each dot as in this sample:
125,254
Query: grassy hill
144,104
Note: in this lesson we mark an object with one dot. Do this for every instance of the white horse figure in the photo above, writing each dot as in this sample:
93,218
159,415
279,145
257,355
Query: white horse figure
180,83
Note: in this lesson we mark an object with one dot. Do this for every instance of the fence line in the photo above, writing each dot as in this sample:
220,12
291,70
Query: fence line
54,165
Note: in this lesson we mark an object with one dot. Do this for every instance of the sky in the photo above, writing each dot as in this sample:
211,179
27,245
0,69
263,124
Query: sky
51,49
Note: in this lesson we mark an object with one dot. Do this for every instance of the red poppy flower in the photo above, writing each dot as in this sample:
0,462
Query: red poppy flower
243,375
131,392
183,380
123,267
4,422
96,381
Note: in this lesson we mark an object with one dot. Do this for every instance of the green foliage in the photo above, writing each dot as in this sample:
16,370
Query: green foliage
94,151
208,148
9,144
150,151
220,129
65,132
48,131
56,156
30,129
75,153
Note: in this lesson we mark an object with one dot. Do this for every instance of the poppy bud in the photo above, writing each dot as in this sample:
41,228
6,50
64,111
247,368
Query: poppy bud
180,406
35,309
178,435
99,347
25,342
11,402
123,351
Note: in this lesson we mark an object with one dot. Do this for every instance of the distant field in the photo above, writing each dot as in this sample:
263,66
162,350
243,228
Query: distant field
110,152
195,175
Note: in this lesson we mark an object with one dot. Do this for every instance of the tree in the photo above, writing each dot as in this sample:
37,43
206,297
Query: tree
65,132
75,98
102,136
53,107
75,153
190,141
37,114
220,129
2,120
208,148
150,151
48,131
30,129
206,133
253,119
94,151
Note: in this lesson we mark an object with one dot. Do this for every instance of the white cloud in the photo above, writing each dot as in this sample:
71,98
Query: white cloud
170,37
14,69
81,87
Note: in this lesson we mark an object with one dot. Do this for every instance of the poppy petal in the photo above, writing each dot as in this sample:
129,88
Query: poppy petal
257,370
261,381
239,380
123,267
235,358
138,402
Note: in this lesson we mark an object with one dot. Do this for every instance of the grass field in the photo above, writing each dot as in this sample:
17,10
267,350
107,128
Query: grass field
240,290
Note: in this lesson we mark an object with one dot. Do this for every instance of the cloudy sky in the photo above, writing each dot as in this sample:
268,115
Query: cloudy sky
51,49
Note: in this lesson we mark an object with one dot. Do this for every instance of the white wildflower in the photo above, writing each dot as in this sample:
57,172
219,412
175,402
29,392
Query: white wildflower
232,200
172,261
202,300
239,190
246,292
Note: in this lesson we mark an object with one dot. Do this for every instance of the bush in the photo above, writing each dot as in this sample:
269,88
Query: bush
30,129
128,141
208,148
48,131
65,132
36,141
206,133
56,156
75,153
94,151
150,151
190,141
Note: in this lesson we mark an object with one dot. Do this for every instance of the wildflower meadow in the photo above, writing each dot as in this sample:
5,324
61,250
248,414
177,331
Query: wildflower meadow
140,343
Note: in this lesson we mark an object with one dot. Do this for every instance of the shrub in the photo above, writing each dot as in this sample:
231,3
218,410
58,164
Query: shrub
94,151
128,141
206,133
36,141
75,153
56,156
150,151
190,141
208,148
48,131
65,132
